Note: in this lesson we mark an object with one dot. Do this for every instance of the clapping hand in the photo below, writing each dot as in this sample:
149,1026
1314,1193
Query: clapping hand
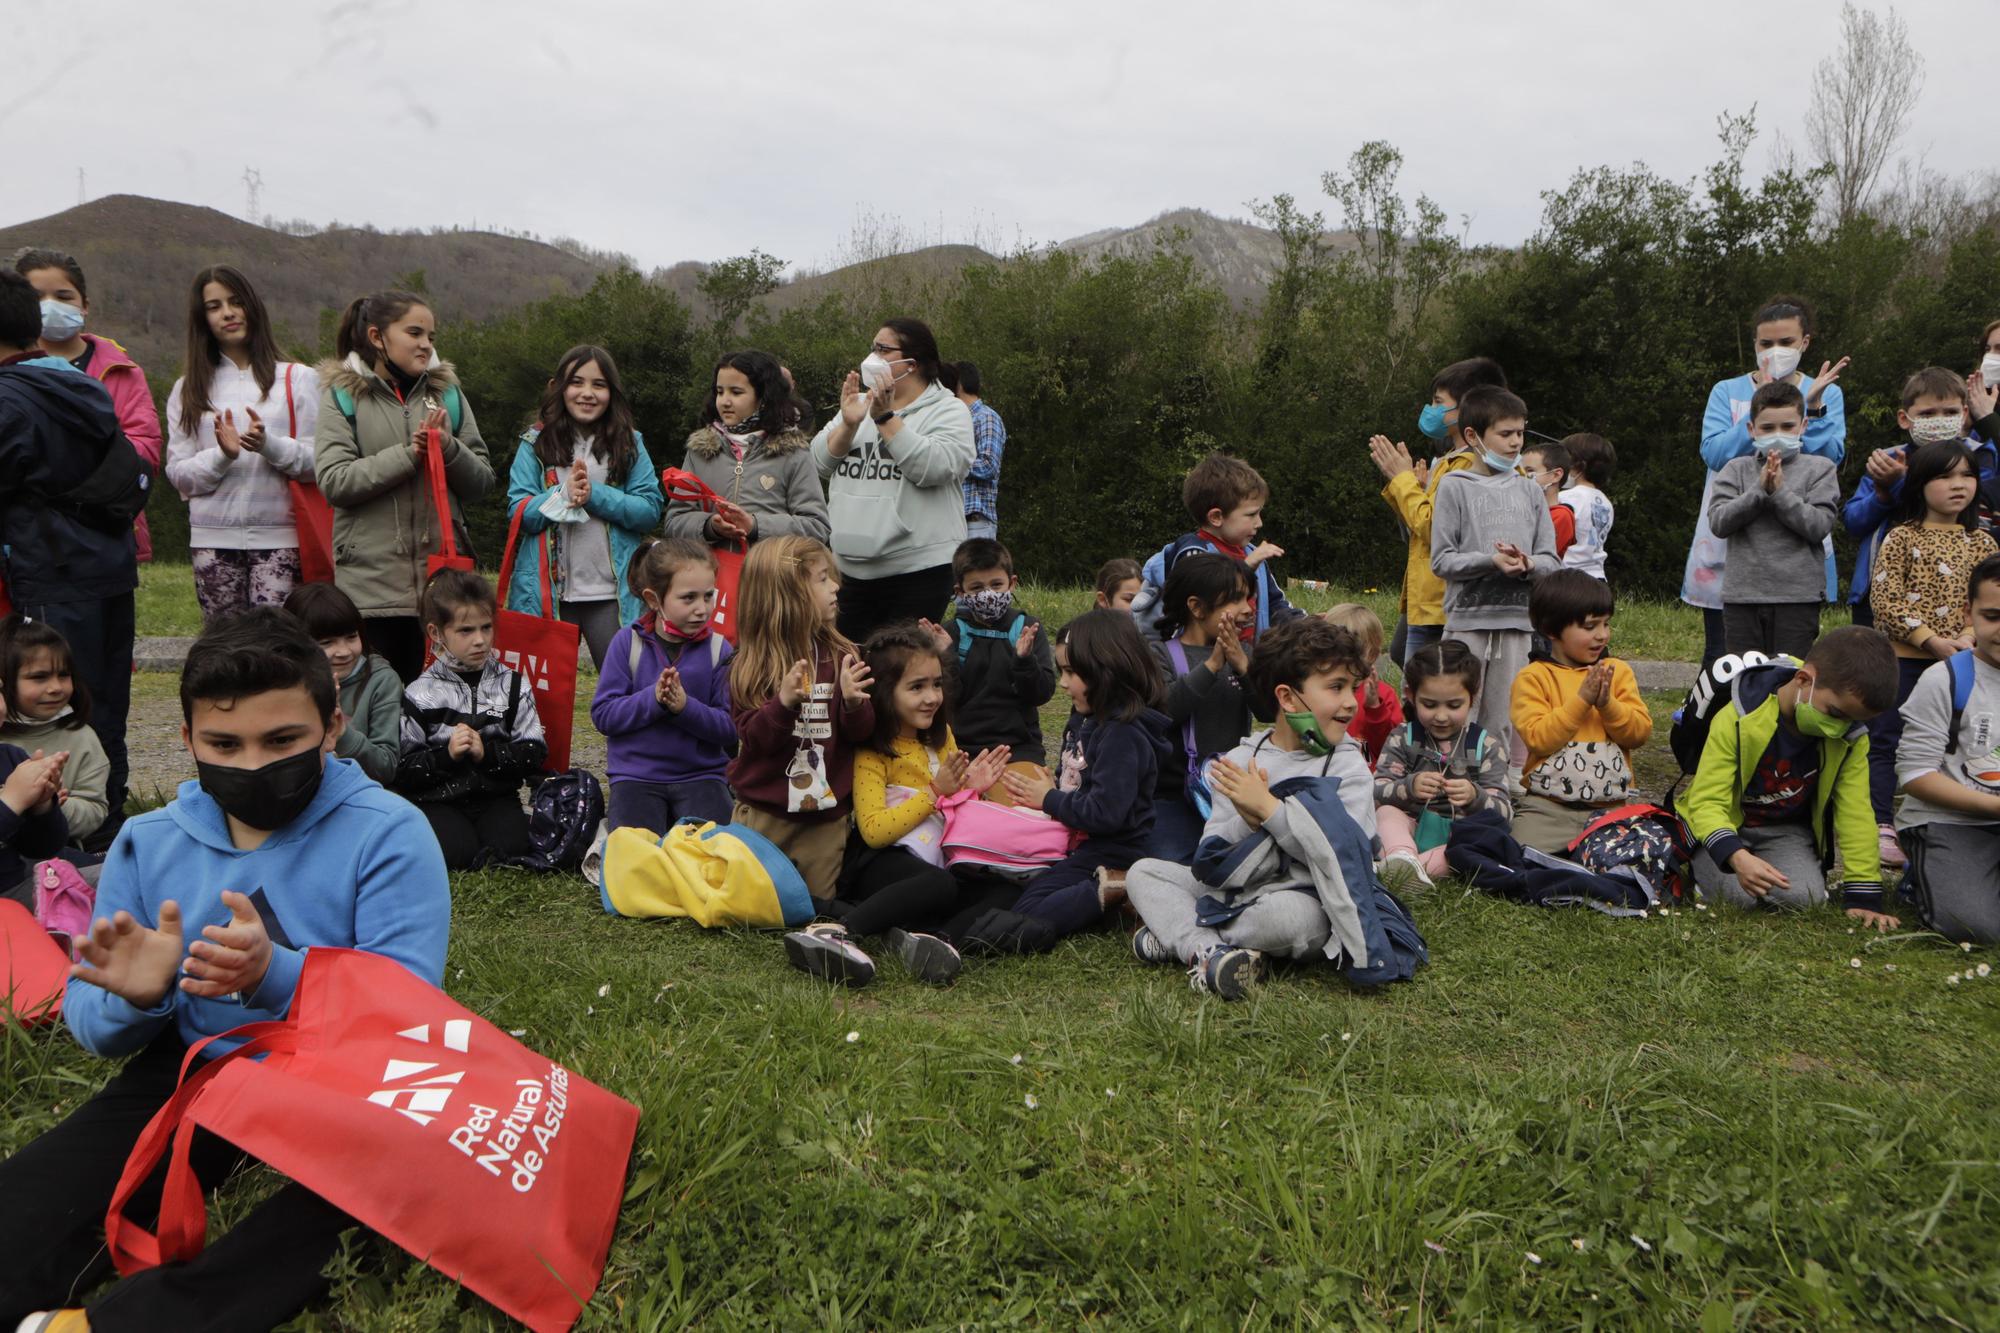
1025,647
1596,687
1248,789
987,769
792,689
1393,460
950,776
1773,473
35,784
855,678
231,959
134,962
577,489
669,691
1982,396
1886,468
1829,371
1029,790
434,420
940,637
233,441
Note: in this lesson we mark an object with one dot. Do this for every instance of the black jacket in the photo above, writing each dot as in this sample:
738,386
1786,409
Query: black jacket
56,425
1119,763
996,693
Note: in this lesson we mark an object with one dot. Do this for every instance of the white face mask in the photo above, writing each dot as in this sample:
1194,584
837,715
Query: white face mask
1784,444
876,370
1937,430
1779,362
1989,370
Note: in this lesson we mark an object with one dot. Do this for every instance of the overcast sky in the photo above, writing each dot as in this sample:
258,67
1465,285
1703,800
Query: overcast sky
672,131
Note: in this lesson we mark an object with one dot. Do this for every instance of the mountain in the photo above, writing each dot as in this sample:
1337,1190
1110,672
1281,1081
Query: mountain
1240,256
139,255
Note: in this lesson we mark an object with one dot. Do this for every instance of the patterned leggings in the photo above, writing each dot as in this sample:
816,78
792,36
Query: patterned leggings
226,582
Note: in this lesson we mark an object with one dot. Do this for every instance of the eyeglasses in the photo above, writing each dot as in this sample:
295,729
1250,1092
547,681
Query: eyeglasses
880,350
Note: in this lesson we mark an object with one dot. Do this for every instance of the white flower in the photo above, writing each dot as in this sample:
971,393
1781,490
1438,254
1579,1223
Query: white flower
853,1037
1030,1102
1435,1248
589,1009
1888,967
604,990
1111,1092
1347,1036
517,1032
1642,1242
1701,907
1533,1258
1015,1059
1965,946
1576,1242
1854,962
1984,970
1951,980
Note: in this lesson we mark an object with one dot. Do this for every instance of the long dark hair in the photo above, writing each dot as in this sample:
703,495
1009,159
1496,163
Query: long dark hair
556,444
1212,580
919,345
889,652
20,637
203,351
371,312
1121,677
1929,463
779,408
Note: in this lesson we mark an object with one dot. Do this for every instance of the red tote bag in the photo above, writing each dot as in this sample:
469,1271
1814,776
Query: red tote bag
34,967
690,489
378,1092
447,556
540,647
312,516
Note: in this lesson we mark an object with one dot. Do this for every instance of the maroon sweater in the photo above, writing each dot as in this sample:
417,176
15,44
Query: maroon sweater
786,758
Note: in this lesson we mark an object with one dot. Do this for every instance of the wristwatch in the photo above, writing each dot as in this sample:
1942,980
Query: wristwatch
1816,412
884,417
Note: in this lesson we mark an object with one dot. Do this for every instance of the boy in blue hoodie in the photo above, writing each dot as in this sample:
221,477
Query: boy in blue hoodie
208,906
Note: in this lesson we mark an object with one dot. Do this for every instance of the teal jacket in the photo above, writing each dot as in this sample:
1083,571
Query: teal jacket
631,511
1842,814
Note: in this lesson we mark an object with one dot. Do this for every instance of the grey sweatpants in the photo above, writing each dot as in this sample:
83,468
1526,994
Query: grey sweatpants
1955,874
1286,923
1502,654
1790,848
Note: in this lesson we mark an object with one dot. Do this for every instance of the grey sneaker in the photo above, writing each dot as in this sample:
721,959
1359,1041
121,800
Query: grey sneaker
1227,972
928,957
1148,948
1402,872
824,951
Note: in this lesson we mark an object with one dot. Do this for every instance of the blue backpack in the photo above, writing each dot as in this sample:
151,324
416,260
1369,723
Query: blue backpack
454,407
1960,666
967,632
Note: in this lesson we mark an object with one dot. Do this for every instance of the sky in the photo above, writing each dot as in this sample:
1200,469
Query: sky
673,132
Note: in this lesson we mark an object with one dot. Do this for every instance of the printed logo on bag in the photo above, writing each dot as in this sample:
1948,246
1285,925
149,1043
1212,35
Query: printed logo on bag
719,618
409,1086
534,670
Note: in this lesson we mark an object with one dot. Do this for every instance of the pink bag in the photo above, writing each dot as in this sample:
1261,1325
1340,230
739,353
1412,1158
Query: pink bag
1006,838
63,901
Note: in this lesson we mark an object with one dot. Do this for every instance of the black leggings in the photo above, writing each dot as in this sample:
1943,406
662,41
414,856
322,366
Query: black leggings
866,605
475,830
895,888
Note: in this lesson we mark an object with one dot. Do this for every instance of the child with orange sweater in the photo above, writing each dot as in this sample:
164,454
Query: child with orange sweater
1578,712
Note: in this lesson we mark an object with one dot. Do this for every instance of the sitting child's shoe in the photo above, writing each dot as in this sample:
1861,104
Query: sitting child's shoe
1227,971
1891,850
1110,887
825,951
54,1321
928,957
1403,872
1150,949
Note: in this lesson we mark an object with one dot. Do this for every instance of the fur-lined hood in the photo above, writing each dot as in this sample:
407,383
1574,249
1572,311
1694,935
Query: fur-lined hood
357,377
704,444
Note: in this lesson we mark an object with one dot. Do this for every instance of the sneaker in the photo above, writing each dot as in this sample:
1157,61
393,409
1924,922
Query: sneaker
1227,972
1148,948
54,1321
1110,888
1892,851
928,957
1402,872
825,951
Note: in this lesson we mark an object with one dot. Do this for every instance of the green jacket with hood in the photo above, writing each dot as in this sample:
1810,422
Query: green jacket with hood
384,526
898,505
1842,815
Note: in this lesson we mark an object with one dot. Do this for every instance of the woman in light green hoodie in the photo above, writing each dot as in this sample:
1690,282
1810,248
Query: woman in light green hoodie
48,709
894,462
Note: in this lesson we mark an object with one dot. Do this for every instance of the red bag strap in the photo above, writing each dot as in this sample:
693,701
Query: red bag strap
548,607
183,1220
440,496
689,489
291,411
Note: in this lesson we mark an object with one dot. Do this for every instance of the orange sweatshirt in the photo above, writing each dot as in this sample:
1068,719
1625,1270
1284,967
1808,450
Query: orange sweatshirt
1549,714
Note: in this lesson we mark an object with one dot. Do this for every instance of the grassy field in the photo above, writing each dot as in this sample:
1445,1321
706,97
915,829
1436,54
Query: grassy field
1699,1120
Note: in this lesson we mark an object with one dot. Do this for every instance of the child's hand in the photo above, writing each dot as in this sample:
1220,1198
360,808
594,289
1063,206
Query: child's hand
1249,790
227,438
463,738
1261,552
1596,687
1427,786
732,521
252,435
1886,468
855,678
1392,460
1509,559
669,690
792,689
1231,639
1757,876
133,962
1873,920
577,489
940,636
1029,790
1461,792
33,782
950,776
434,420
1026,646
231,959
1829,371
1773,473
986,770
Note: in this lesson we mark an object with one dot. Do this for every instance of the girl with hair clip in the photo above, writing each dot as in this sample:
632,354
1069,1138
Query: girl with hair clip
662,698
752,451
1202,658
1112,755
799,696
47,709
382,392
240,428
58,279
591,494
1436,767
894,884
1783,330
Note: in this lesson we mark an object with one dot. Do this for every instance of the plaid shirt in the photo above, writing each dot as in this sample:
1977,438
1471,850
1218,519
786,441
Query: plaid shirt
982,484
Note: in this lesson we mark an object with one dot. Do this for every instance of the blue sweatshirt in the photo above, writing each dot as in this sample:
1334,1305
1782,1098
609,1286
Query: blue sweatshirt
26,838
1867,513
359,869
643,741
1120,765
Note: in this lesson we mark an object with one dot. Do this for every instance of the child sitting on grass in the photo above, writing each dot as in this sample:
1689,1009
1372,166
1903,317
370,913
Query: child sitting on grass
1304,673
1117,584
1202,660
1002,668
1436,767
1226,497
47,709
371,698
1579,714
1783,780
1380,712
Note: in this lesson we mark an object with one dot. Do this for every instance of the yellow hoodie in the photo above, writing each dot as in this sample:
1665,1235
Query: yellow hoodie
1555,723
1422,602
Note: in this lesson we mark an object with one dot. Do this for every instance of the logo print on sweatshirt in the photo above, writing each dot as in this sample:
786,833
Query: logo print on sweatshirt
410,1087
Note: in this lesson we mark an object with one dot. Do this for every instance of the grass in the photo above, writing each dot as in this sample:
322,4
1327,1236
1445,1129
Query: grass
1705,1120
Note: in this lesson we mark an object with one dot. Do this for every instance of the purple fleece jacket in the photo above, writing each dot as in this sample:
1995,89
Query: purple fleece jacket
645,742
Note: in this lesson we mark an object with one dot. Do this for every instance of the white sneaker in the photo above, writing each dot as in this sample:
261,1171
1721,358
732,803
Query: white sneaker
1402,872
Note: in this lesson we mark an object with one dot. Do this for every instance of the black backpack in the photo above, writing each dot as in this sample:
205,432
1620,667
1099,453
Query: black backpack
113,496
1710,693
563,815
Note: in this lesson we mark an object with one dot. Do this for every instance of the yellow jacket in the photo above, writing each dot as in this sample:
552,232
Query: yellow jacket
913,766
1548,713
1422,602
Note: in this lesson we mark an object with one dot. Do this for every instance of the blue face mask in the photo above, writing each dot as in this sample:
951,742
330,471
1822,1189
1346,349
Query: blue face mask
1431,420
1498,462
60,322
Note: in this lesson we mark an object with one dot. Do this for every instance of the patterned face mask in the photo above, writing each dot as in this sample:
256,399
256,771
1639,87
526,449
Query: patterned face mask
986,605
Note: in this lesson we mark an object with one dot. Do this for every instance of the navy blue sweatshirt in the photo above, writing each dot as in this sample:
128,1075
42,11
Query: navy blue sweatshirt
1119,764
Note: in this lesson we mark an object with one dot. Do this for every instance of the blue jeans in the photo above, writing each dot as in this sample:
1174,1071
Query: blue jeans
660,805
1410,639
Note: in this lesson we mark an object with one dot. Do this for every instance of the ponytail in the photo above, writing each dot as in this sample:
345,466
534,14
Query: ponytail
658,559
378,311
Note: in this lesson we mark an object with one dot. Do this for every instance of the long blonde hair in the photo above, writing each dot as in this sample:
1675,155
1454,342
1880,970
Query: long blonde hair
778,621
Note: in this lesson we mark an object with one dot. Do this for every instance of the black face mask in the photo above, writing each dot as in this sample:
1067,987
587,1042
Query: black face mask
265,798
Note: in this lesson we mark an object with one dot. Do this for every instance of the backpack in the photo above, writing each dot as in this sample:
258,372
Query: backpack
638,650
1644,841
1195,789
1709,694
1959,664
454,407
968,632
113,496
563,816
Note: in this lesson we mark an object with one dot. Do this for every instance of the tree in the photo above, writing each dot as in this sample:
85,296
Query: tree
1861,103
734,285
